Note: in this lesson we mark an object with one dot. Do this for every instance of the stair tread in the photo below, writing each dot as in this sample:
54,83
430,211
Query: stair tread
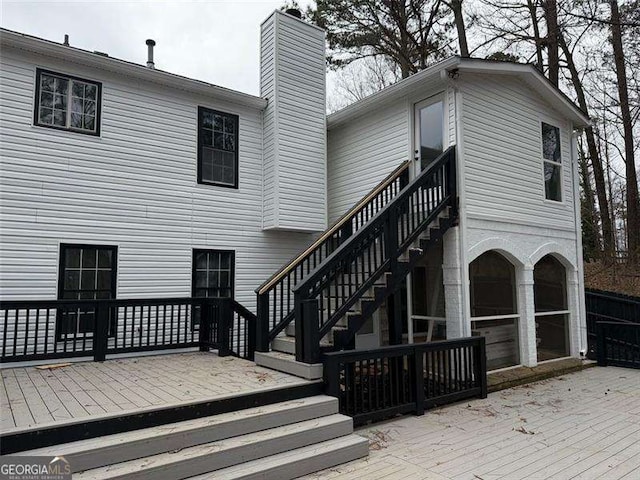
183,427
265,465
254,441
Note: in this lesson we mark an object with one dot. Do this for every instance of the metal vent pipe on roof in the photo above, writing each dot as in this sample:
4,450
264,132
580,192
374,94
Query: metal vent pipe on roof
294,12
150,45
66,40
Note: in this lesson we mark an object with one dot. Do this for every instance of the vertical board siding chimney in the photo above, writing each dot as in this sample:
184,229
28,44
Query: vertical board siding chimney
292,79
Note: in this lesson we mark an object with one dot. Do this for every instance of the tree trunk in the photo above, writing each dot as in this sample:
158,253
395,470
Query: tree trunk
456,8
551,17
590,235
592,149
633,218
536,34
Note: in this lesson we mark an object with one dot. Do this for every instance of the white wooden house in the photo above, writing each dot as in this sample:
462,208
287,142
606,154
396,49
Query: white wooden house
123,181
142,210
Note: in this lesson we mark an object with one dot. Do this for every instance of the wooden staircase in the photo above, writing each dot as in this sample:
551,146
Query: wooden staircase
340,281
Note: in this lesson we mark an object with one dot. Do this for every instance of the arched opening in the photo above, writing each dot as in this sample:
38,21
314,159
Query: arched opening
494,309
551,310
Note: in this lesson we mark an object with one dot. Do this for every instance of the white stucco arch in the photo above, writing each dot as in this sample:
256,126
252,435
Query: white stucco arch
555,249
498,244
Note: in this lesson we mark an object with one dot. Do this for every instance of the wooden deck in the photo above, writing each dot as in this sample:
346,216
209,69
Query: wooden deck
36,398
583,425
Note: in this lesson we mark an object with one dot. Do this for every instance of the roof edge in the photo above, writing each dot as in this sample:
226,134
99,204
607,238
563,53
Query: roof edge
21,41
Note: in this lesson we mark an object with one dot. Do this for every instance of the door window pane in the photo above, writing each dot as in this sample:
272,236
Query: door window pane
213,272
431,120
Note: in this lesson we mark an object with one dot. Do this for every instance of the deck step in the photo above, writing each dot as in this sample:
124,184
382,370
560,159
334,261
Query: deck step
296,463
102,451
284,362
210,457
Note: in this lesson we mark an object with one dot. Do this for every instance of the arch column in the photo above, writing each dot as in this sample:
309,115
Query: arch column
453,280
526,311
577,327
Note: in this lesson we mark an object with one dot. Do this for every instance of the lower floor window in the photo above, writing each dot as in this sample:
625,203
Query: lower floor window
502,340
213,272
552,335
87,272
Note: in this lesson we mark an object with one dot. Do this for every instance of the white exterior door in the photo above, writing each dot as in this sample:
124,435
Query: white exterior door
429,128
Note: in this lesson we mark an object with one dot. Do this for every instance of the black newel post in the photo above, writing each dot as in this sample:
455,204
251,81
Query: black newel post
307,330
204,329
262,325
225,320
480,362
101,331
601,346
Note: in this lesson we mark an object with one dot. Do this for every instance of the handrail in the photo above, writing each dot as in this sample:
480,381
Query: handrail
333,287
275,297
375,220
276,277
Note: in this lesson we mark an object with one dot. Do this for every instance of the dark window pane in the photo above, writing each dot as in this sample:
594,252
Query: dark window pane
105,294
76,120
60,118
61,86
207,137
89,258
90,92
214,261
88,280
76,105
89,123
214,279
104,258
224,279
46,99
218,123
46,116
90,108
229,142
225,261
552,181
72,257
201,260
78,89
206,118
85,322
552,337
218,140
201,279
46,83
550,142
227,176
104,279
229,125
72,280
88,295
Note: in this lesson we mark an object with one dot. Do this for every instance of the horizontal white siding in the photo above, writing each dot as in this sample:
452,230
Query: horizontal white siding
293,80
133,187
364,151
503,154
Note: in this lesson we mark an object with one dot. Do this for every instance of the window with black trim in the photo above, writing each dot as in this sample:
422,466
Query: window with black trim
87,272
213,275
67,103
552,160
217,148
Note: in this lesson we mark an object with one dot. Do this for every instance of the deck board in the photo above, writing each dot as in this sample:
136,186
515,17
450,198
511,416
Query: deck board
584,425
33,398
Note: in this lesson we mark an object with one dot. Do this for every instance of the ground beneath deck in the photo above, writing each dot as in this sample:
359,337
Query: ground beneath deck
32,397
583,425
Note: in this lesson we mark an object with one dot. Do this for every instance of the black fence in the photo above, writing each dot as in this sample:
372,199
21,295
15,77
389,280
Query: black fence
608,307
375,384
618,344
55,329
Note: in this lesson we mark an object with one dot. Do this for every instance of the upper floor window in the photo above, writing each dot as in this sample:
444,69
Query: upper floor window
67,103
217,148
552,160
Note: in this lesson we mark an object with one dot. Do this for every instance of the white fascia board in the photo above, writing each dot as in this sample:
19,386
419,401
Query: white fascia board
10,39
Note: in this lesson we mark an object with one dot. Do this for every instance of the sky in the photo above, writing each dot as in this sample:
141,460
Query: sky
217,41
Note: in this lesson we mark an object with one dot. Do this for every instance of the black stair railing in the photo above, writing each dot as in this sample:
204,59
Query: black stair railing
327,293
275,296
